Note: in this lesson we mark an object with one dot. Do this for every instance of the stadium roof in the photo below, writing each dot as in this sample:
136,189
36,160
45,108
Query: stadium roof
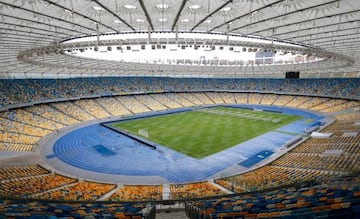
327,25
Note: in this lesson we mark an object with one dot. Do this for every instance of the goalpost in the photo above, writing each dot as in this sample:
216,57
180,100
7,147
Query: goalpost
143,132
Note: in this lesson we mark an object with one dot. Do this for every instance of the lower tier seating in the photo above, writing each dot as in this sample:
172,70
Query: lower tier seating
337,198
194,190
75,210
137,193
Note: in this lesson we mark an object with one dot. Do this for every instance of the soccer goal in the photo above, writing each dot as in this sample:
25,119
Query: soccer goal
143,133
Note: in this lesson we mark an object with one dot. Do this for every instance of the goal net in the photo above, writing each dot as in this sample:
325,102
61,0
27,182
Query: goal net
143,133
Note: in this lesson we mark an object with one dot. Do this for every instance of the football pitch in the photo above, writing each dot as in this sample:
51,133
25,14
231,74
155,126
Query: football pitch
200,133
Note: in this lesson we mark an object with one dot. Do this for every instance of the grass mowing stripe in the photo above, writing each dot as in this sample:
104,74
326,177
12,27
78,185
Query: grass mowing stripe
199,134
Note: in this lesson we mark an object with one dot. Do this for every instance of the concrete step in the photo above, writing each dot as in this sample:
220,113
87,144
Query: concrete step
171,215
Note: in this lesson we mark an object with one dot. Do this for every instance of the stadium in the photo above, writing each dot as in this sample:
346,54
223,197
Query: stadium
180,109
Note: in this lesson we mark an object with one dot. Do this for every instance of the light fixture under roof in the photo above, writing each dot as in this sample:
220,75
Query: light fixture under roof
162,6
117,21
208,21
195,7
226,9
139,20
67,10
244,50
97,8
130,7
162,19
185,20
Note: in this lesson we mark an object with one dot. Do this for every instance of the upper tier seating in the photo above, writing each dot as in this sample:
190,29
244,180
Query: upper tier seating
30,90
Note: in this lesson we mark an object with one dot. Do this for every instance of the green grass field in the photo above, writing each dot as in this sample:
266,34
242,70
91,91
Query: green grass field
205,132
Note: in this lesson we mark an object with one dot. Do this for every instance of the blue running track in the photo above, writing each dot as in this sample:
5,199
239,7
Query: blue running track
98,149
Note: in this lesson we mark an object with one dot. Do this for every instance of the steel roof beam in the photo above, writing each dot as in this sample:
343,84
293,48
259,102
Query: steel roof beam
24,31
21,36
309,35
146,14
283,15
37,22
327,42
304,21
27,32
81,15
21,42
351,44
310,28
45,15
247,14
212,13
114,14
183,3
